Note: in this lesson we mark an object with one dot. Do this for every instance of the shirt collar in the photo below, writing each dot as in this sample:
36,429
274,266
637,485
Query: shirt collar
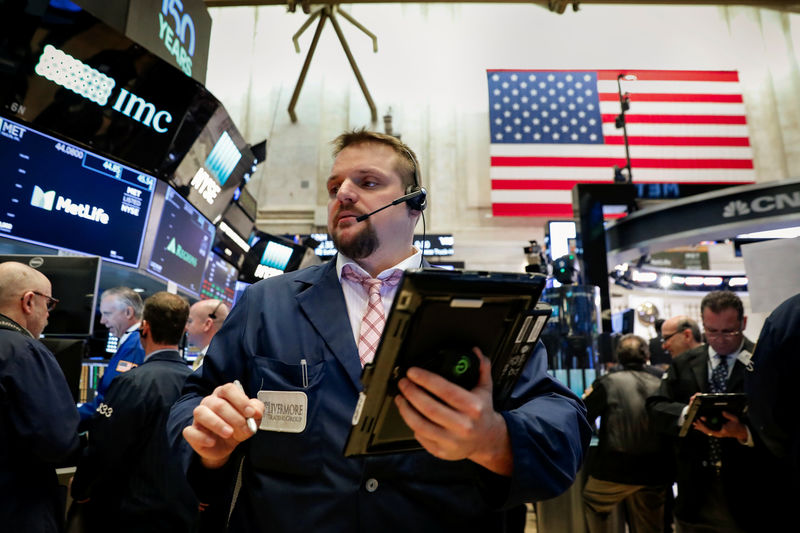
712,354
151,354
411,261
129,331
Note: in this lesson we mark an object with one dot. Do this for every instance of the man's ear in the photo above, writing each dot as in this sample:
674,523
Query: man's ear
26,303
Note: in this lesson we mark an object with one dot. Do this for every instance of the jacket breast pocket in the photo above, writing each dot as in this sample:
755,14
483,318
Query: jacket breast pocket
284,449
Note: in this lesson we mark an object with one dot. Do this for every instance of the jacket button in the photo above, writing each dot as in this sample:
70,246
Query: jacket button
371,484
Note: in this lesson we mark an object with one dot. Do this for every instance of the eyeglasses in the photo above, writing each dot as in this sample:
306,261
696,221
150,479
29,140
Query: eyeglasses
51,302
724,334
668,337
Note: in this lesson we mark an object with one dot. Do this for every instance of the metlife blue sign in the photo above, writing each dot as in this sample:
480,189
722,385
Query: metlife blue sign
57,194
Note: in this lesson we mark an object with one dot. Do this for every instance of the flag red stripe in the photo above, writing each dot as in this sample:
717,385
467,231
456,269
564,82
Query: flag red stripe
671,75
532,210
669,97
611,161
646,75
551,185
654,140
567,185
678,119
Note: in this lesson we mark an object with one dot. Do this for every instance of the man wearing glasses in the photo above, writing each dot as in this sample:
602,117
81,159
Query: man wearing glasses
205,319
679,334
717,472
38,418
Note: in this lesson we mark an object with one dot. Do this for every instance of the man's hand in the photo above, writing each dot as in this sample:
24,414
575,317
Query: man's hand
453,423
220,424
733,428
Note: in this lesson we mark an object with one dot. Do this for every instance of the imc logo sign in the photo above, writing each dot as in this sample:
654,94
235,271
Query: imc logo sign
83,80
46,200
176,30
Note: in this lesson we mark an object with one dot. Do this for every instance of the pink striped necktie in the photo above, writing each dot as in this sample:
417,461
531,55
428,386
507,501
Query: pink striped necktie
374,317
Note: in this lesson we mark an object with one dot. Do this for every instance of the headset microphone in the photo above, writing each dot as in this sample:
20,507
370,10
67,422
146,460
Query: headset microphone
411,198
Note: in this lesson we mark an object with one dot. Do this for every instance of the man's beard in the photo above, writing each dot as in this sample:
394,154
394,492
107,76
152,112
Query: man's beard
363,243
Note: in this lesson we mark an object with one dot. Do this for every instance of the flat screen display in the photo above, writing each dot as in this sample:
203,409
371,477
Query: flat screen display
213,169
74,282
182,243
57,194
125,102
219,280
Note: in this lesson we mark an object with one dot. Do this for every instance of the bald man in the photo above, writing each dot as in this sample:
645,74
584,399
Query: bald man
38,418
205,319
679,334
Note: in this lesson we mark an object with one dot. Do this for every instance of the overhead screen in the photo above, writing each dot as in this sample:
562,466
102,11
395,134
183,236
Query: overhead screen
213,169
182,243
66,71
57,194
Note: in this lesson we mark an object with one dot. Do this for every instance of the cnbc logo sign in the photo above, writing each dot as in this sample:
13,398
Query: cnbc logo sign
47,201
83,80
175,248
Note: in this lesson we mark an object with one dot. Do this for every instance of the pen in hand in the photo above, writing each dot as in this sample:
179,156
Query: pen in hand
251,424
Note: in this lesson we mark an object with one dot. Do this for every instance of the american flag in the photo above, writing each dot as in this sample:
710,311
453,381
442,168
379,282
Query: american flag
553,129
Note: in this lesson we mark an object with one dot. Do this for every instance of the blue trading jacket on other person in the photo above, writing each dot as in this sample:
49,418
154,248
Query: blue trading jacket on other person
129,354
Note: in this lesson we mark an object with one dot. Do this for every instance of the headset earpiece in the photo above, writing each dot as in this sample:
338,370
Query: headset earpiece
418,203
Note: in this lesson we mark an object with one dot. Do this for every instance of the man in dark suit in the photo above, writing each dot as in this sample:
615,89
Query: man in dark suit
295,340
128,478
717,470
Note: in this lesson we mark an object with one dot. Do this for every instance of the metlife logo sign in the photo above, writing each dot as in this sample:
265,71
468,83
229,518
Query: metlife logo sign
44,200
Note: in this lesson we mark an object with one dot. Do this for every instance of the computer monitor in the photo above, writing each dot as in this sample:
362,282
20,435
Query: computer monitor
74,283
69,354
219,280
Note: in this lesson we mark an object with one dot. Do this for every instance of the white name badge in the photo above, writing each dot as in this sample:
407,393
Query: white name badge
284,411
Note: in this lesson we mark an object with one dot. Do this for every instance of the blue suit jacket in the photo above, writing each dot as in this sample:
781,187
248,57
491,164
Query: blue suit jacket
131,351
303,482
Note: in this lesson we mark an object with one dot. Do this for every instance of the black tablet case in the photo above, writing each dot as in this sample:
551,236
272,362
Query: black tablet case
711,405
436,310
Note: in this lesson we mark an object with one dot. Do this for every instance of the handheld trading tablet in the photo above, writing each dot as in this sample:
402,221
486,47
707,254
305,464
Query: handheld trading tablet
437,317
711,406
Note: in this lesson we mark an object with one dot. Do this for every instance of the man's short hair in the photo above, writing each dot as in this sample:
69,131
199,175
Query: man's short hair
166,314
688,323
718,301
407,156
632,349
126,297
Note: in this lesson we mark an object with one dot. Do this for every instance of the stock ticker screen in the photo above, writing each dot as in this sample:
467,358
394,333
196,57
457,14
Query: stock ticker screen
57,194
182,243
219,280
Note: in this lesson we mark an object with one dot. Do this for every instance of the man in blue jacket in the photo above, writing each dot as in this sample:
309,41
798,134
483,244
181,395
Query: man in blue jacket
297,340
121,312
38,419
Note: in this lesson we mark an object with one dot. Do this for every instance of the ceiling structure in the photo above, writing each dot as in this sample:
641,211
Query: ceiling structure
557,6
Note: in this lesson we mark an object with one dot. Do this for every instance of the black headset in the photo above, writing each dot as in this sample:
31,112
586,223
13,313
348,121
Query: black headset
419,202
